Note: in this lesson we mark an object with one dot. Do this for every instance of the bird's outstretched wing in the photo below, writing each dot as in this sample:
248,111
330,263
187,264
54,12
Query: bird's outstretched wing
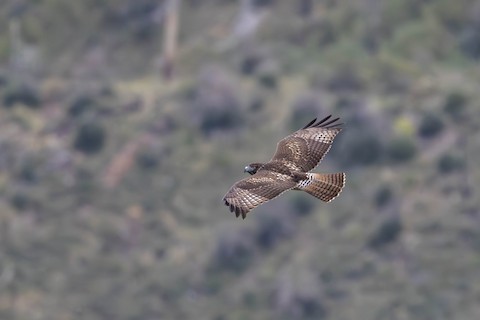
305,148
251,192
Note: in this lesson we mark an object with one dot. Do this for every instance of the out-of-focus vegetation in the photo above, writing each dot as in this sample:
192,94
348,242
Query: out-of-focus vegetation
111,177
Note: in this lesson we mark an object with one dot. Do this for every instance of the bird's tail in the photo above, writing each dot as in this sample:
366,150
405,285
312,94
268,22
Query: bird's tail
324,186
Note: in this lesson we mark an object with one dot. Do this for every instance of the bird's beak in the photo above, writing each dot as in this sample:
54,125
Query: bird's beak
247,169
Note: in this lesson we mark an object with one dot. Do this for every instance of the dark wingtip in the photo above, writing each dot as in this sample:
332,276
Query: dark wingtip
310,123
236,210
324,123
330,122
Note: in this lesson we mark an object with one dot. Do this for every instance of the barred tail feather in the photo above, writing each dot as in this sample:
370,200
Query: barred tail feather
324,186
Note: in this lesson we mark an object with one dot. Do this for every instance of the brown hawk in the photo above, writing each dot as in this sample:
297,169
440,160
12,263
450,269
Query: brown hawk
289,168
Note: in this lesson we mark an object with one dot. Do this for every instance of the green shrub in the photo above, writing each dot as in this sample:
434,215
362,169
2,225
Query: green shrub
20,201
268,75
327,34
271,229
250,62
233,251
345,79
23,94
262,3
383,196
249,65
360,148
215,104
28,170
303,302
401,149
147,160
90,138
81,105
455,104
449,162
309,307
135,17
386,233
257,103
469,42
3,80
225,120
361,144
431,125
302,205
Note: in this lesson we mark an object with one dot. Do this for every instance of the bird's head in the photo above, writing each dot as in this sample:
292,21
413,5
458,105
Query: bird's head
252,168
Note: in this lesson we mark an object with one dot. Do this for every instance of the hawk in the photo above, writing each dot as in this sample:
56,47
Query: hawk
289,169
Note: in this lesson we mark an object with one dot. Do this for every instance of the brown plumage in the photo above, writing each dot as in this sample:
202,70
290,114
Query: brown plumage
289,168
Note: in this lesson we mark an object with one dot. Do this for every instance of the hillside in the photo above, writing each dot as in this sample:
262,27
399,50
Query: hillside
111,175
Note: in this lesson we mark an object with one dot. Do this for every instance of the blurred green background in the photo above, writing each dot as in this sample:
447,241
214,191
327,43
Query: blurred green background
112,171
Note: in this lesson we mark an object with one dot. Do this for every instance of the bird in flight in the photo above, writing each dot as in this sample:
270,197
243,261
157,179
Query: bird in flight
289,169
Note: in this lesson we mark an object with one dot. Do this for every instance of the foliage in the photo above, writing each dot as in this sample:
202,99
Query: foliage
455,104
268,75
450,162
383,195
81,105
90,138
469,42
22,94
303,205
147,160
361,145
272,229
387,232
234,252
215,103
346,78
401,149
431,125
84,105
251,60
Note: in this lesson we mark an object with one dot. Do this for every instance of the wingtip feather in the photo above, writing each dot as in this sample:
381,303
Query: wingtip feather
330,122
238,211
310,123
323,123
